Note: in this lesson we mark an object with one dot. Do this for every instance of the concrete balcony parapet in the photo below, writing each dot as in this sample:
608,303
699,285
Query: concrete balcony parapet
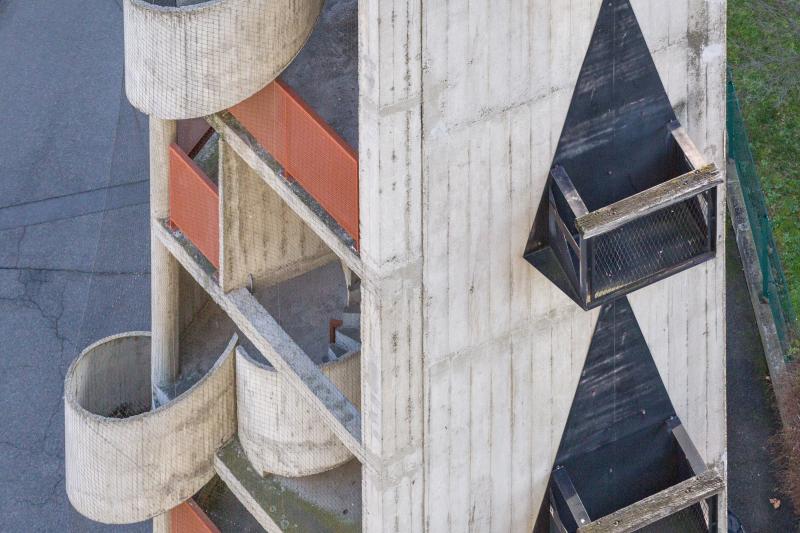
195,60
279,430
126,462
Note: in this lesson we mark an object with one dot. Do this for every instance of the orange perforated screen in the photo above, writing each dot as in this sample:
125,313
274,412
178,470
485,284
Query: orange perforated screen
189,518
192,134
194,204
307,148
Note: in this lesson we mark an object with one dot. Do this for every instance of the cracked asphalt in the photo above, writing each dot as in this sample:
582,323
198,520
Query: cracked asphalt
74,242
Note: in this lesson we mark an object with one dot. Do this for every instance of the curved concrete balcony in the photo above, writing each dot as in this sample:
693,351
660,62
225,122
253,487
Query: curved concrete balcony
279,430
126,462
195,60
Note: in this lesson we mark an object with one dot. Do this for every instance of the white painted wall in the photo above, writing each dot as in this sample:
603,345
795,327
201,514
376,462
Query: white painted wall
470,356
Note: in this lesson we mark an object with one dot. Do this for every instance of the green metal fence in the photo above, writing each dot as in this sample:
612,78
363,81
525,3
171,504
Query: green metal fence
774,289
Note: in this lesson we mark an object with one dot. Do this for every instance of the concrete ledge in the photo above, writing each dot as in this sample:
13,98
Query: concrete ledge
125,462
329,502
280,430
195,60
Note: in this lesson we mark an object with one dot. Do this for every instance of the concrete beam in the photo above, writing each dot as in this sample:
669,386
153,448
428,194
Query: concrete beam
317,220
165,272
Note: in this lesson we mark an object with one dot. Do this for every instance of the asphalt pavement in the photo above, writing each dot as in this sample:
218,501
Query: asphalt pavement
74,241
752,419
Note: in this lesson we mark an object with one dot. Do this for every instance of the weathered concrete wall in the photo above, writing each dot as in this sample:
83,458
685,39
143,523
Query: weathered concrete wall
123,470
460,115
390,188
191,61
279,430
683,317
259,234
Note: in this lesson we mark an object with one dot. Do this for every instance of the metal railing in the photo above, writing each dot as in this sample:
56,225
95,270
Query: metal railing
774,289
188,517
194,204
637,240
308,149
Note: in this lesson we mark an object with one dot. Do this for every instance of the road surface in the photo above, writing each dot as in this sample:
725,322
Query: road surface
73,234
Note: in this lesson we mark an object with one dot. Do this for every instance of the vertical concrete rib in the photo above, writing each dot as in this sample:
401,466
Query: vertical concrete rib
163,523
164,268
164,278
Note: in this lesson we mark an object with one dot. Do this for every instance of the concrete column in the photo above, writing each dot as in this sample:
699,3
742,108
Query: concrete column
163,266
164,279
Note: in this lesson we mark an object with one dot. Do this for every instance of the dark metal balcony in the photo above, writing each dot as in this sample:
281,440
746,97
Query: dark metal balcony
637,239
684,502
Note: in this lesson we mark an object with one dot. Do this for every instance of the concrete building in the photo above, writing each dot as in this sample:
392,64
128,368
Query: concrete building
420,266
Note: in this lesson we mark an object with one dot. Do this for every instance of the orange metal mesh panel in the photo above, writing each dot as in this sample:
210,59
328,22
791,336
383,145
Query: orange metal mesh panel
308,149
192,134
194,204
189,518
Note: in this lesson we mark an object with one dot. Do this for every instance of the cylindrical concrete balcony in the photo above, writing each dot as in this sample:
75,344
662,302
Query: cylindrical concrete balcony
279,430
126,462
195,60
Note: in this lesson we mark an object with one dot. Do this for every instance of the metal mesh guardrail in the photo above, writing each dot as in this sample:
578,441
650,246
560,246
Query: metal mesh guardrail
652,244
774,289
194,204
635,241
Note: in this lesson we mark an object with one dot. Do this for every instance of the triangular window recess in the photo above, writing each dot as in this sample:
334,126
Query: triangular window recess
624,449
629,200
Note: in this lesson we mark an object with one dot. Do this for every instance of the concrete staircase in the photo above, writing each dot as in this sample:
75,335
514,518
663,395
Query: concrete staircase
346,333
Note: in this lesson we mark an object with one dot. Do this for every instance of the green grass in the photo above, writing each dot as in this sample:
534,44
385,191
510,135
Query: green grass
764,51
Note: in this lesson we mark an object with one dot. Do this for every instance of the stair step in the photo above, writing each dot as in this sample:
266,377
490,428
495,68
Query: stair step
335,352
351,319
349,338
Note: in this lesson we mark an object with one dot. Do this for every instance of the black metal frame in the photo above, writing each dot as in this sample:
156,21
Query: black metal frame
562,492
574,245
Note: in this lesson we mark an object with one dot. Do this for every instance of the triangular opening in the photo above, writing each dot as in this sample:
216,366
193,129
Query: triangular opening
615,141
617,447
629,199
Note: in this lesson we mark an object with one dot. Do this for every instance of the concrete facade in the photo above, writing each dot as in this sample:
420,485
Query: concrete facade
477,102
469,357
